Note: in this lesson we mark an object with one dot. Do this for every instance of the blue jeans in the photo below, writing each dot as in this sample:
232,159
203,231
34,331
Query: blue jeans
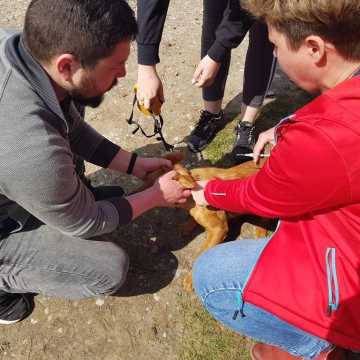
220,274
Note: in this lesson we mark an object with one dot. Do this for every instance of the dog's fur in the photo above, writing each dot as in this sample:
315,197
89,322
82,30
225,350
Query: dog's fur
213,220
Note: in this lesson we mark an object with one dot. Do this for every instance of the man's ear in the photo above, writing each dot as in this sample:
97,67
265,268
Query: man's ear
316,48
67,65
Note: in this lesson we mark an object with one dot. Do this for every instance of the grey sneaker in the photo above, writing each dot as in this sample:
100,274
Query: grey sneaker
244,139
205,130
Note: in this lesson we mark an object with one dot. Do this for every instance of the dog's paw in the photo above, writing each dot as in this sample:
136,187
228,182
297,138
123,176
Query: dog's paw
183,177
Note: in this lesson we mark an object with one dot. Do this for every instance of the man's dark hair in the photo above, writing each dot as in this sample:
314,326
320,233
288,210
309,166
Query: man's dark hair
87,29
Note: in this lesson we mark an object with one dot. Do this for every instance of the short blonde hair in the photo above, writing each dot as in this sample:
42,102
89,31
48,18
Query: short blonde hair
337,21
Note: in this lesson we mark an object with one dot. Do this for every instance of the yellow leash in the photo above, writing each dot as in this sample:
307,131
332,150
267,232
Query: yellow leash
155,114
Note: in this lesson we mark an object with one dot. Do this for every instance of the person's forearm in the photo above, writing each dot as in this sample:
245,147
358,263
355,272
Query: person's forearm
151,15
143,201
121,160
231,31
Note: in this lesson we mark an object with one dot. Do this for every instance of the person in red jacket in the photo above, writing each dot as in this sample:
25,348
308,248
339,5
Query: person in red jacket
298,292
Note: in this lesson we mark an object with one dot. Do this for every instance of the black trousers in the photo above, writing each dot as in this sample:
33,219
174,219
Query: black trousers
259,63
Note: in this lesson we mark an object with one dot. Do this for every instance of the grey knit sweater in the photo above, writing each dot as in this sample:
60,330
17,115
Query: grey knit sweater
38,141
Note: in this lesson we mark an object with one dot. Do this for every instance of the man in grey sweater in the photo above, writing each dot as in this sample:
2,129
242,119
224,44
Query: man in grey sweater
69,54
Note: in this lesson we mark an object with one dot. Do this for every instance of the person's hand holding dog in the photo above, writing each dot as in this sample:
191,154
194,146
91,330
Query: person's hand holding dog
168,192
144,166
198,193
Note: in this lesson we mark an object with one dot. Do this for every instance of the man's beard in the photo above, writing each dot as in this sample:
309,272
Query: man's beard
86,84
93,102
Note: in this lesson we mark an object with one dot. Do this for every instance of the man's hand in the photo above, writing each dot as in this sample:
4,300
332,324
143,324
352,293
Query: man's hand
198,193
205,72
264,138
168,192
144,166
150,86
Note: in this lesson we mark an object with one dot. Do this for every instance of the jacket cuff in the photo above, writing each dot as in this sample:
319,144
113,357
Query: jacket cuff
214,194
217,51
148,54
123,208
104,153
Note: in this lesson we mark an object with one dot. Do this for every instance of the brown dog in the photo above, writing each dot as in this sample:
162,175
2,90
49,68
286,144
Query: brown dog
213,220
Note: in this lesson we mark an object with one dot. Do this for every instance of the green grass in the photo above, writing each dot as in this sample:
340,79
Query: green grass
284,105
203,338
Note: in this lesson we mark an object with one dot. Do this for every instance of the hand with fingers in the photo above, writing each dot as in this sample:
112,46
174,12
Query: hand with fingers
264,138
149,87
205,72
168,191
145,166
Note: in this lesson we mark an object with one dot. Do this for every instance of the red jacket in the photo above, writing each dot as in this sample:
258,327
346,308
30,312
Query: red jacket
309,272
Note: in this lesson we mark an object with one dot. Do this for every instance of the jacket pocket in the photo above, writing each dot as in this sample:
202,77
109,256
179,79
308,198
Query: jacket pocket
332,281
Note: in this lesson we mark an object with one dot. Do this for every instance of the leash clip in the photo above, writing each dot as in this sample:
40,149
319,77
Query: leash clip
156,116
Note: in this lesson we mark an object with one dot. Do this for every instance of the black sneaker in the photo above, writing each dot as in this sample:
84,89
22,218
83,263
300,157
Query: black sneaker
15,307
205,130
243,140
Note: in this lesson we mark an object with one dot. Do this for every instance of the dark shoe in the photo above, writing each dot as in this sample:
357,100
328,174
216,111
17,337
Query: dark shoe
205,130
262,351
15,307
244,139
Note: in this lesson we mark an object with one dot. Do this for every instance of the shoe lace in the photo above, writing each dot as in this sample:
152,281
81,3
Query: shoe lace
244,131
206,120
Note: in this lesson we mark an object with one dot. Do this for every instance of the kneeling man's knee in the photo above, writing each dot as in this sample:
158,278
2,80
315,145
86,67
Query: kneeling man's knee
112,273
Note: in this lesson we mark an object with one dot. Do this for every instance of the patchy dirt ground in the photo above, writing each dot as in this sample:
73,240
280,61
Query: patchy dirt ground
152,318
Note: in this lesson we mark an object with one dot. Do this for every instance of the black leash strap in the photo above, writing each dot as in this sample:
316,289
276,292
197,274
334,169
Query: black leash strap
158,125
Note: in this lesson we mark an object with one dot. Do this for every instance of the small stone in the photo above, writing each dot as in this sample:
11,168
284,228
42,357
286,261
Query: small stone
34,321
156,297
100,302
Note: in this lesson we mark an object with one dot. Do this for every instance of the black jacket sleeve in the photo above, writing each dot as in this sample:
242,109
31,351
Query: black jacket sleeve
151,16
231,31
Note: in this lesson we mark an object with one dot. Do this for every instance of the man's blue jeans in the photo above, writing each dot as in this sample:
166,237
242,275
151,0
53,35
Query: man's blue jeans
220,274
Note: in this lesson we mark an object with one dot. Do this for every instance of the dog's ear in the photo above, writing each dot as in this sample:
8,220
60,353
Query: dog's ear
175,156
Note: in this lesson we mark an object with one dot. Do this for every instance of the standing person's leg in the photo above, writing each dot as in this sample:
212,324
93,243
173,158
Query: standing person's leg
42,260
219,276
259,72
211,118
